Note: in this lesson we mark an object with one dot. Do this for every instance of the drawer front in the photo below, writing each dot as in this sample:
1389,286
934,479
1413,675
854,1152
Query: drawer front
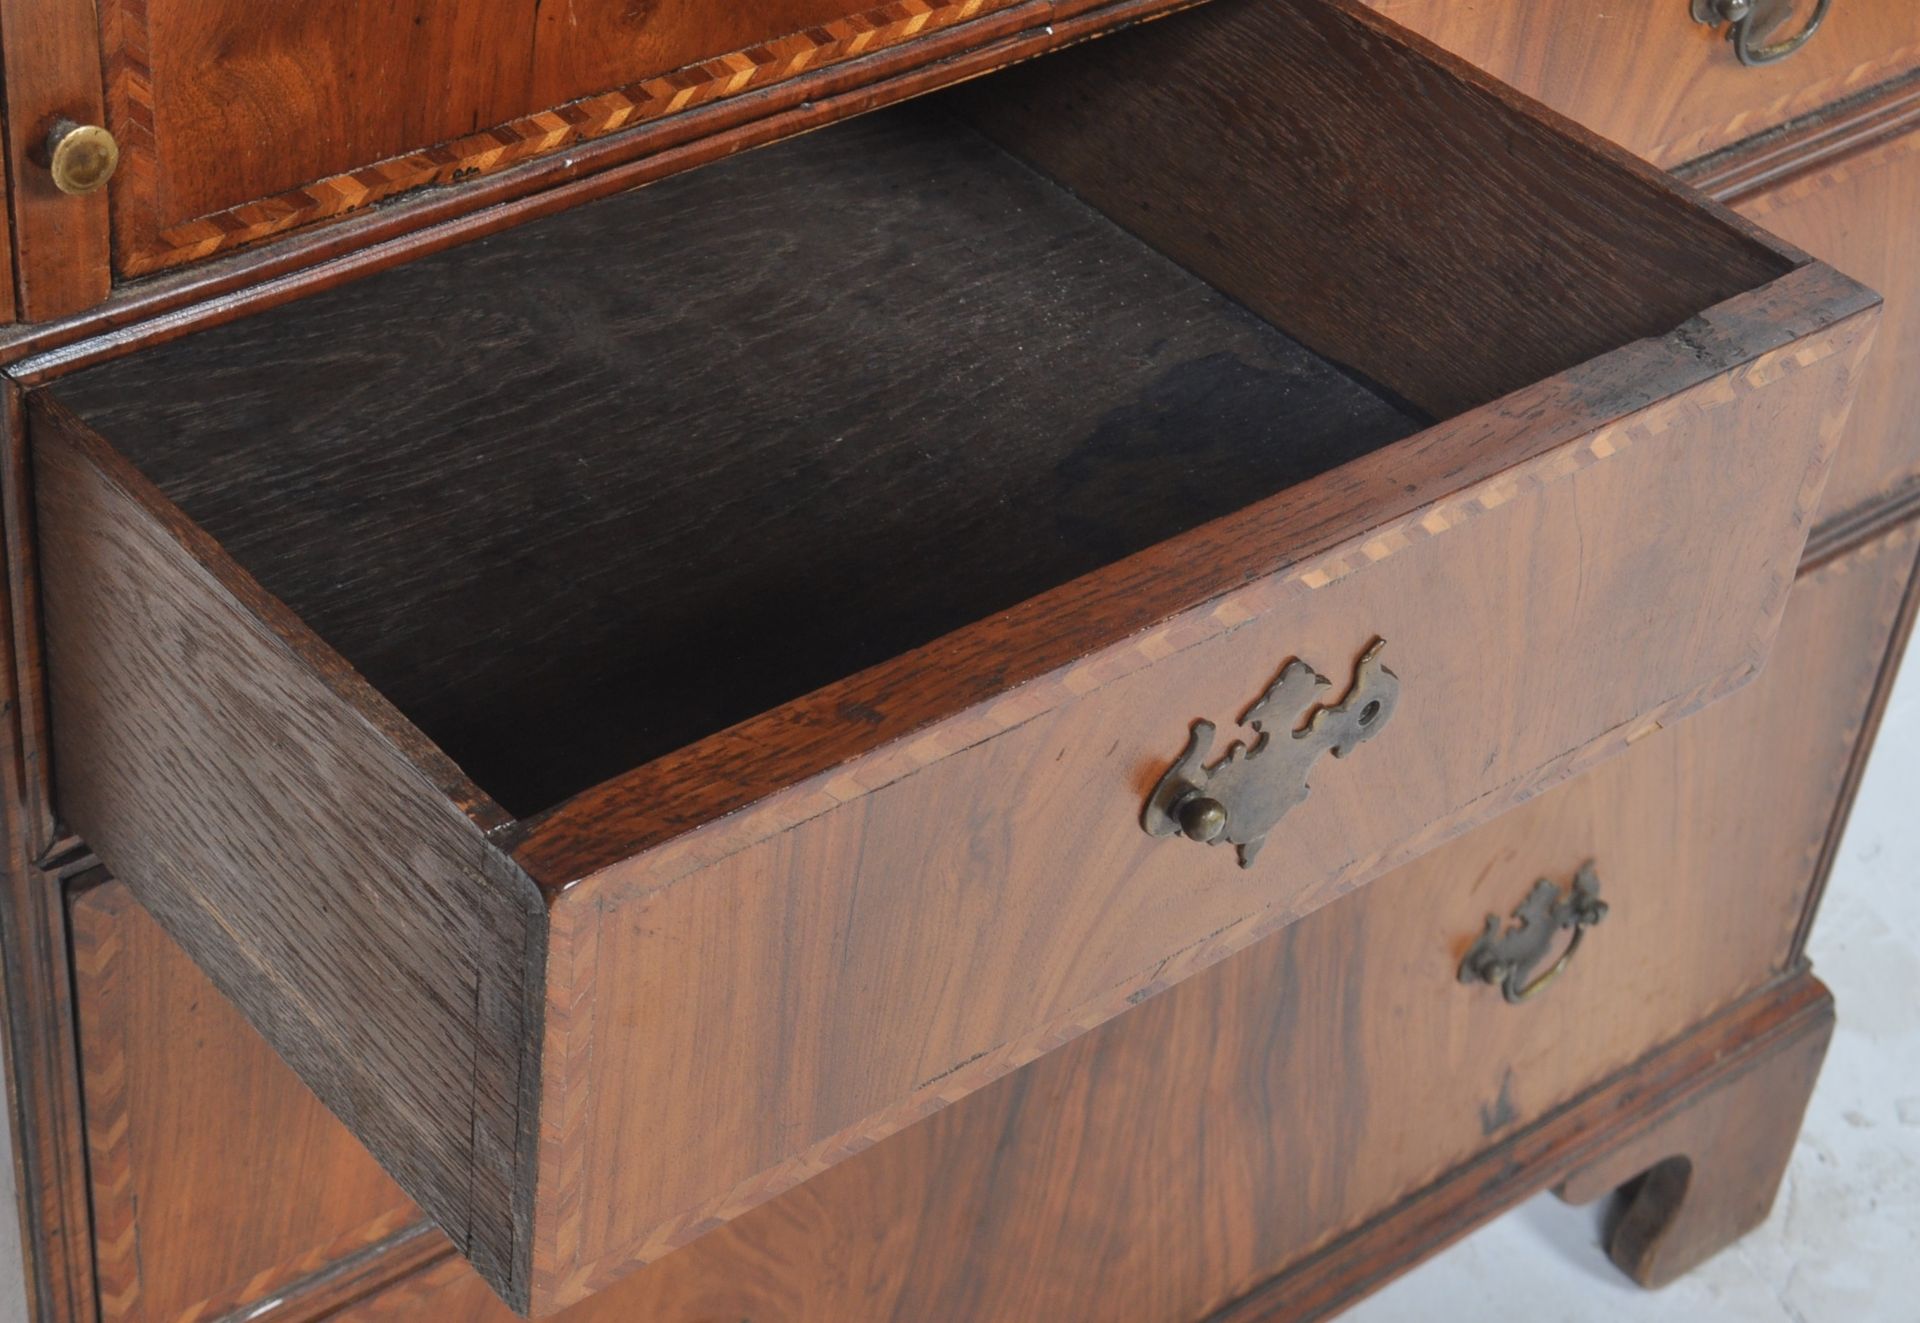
1644,74
1008,849
583,1038
1858,213
1190,1148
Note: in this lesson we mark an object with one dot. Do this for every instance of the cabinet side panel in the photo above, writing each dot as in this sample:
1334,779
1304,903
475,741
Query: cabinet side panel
7,303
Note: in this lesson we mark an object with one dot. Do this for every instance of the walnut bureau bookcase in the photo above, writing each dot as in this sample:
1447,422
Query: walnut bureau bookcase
974,660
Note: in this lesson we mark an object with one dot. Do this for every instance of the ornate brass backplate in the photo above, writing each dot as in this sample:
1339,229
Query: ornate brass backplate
1508,958
1242,797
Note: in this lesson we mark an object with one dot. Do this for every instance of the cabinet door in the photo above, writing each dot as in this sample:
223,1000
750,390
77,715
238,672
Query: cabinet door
239,121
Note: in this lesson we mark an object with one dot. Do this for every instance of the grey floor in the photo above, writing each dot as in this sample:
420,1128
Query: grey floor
1843,1243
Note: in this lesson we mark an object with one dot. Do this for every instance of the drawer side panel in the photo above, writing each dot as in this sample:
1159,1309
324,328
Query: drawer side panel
322,880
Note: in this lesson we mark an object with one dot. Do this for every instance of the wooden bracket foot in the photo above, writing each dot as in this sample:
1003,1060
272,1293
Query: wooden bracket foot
1704,1173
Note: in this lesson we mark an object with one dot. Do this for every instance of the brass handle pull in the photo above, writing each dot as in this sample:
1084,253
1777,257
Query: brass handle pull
1742,16
82,157
1243,796
1507,959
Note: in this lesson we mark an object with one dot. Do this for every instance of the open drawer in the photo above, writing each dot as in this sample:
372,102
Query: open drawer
639,708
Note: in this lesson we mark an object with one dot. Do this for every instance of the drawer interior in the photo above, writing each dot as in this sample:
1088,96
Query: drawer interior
576,496
702,448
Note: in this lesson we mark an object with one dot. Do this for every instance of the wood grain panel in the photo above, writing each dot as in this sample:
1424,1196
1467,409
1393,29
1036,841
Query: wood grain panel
218,1179
1642,73
585,46
1688,1080
1230,1128
533,616
157,646
1858,213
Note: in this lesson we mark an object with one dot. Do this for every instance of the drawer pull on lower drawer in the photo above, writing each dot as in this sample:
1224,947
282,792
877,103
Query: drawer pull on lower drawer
1741,14
1507,958
1242,797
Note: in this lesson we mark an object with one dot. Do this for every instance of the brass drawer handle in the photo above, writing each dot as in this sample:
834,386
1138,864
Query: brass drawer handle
1740,14
1242,797
1507,958
81,157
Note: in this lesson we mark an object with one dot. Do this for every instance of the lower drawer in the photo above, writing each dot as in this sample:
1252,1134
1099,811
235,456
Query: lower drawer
1169,1159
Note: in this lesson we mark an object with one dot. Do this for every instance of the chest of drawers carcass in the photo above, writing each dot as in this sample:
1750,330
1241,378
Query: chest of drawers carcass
1011,623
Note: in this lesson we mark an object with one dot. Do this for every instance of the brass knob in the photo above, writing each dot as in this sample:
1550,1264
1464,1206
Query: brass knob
1203,819
82,157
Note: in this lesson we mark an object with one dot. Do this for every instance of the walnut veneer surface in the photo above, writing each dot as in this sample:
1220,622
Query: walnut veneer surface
1237,1144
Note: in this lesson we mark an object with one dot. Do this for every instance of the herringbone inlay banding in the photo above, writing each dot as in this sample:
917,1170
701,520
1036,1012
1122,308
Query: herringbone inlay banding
143,244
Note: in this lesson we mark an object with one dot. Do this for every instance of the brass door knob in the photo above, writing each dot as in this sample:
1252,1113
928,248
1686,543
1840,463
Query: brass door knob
82,157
